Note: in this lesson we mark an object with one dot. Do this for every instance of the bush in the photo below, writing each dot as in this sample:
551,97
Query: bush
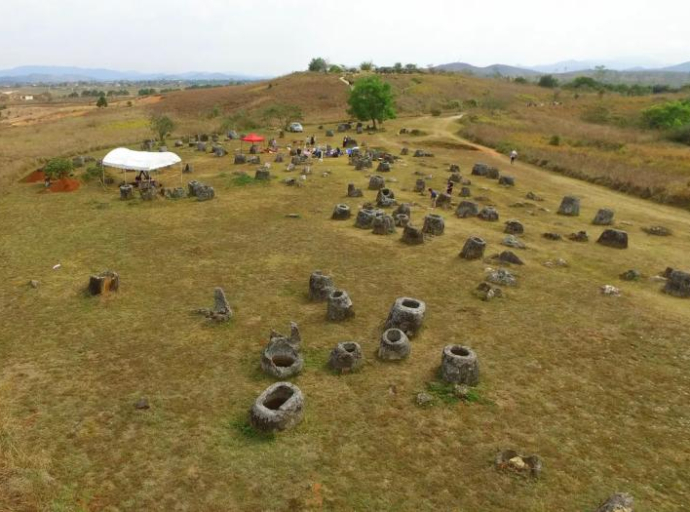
673,114
548,81
318,64
520,80
681,135
366,66
555,140
597,115
102,102
435,112
57,168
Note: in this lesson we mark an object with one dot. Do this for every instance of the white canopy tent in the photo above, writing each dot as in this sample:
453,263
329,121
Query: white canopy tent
146,161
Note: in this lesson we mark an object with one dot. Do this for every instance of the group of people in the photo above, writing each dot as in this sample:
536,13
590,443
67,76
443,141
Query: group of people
449,186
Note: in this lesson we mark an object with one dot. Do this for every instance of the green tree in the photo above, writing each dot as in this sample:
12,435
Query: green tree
398,67
334,68
548,81
366,66
57,168
102,102
318,64
672,114
371,98
161,125
283,114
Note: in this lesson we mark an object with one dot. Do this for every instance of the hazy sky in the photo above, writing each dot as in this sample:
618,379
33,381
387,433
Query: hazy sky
276,36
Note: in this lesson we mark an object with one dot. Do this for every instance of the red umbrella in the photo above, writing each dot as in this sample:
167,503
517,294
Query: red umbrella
252,137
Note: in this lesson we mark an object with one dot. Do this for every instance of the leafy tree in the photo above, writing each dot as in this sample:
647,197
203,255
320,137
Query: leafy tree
161,125
318,64
371,98
58,168
673,114
366,66
397,67
411,68
102,102
283,114
548,81
334,68
520,80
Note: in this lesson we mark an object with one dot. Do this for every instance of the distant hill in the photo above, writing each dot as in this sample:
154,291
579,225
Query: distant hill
487,71
678,68
54,74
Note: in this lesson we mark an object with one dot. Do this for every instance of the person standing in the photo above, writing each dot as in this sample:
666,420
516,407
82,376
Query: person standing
449,188
433,195
513,156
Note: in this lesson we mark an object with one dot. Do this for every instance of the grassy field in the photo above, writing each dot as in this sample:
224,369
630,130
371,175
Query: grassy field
597,386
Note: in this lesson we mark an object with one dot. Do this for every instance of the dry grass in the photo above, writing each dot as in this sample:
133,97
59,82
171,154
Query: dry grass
597,386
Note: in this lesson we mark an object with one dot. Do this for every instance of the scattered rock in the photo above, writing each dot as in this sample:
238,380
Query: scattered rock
412,235
657,231
383,167
103,283
473,249
552,236
488,213
459,365
376,182
619,502
383,225
354,192
506,181
279,407
678,284
454,168
614,238
433,224
142,404
630,275
339,306
604,217
365,217
501,277
510,460
346,357
487,292
570,206
262,174
510,257
33,283
609,290
320,286
533,197
240,159
395,345
467,209
455,177
514,227
443,200
385,198
221,311
513,241
341,212
424,399
281,358
580,236
406,314
465,192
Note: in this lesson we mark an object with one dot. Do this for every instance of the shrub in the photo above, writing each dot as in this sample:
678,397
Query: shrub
673,114
555,140
435,112
548,81
102,102
681,135
597,115
318,64
57,168
520,80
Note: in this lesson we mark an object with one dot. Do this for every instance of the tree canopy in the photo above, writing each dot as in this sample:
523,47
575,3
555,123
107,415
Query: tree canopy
102,102
161,125
58,168
318,64
371,99
284,114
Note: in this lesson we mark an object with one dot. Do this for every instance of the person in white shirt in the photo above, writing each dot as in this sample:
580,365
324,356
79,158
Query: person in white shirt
513,156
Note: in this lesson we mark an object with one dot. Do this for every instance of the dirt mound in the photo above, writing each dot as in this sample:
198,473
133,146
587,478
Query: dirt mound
64,185
35,177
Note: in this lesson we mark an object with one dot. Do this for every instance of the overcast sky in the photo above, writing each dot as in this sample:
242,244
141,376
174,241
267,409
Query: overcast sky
270,37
